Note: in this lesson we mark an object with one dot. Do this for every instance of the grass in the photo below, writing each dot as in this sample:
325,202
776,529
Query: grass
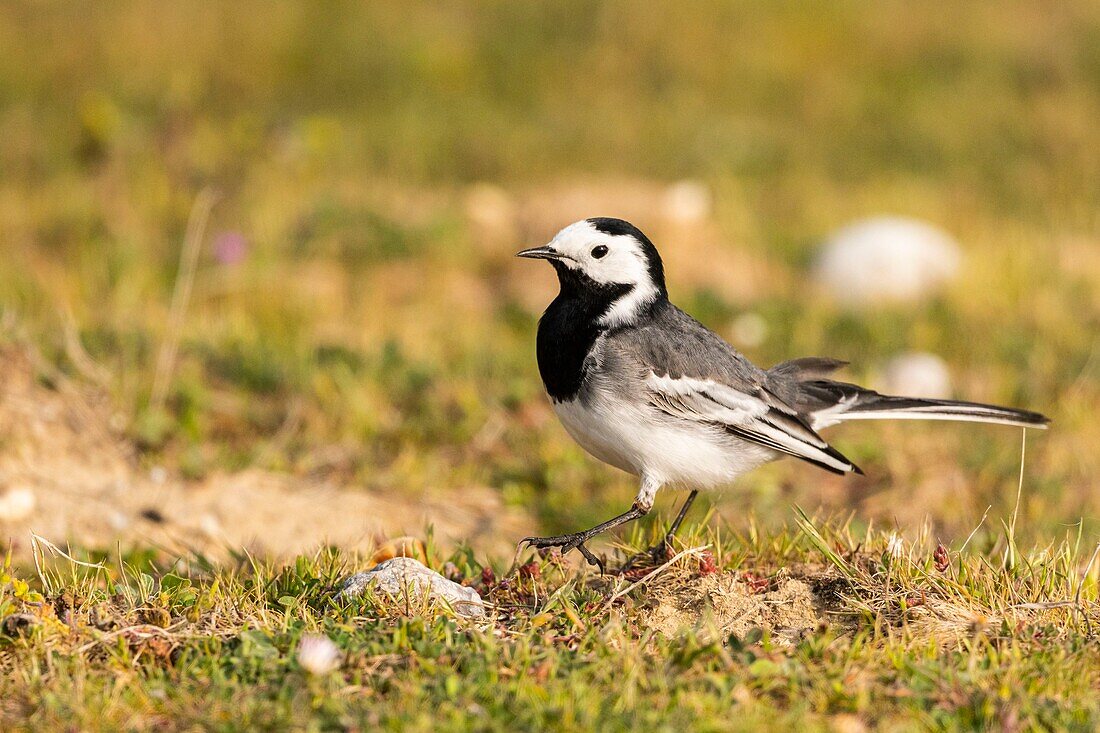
913,637
350,314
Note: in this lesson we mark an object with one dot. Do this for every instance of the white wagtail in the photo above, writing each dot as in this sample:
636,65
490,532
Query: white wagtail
645,387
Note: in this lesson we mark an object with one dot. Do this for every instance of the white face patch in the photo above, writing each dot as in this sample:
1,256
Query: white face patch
608,259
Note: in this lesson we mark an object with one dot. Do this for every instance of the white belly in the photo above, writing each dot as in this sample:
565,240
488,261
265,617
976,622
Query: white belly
669,450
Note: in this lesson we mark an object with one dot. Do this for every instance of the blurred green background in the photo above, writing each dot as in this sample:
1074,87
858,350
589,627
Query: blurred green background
357,317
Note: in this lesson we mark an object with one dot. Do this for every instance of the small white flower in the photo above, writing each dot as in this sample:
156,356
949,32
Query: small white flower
318,655
895,545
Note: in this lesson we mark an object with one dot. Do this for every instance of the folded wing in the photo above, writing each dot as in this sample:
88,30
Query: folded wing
752,414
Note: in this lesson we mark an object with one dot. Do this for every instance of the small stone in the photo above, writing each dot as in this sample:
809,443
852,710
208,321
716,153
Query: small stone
210,525
117,520
399,575
917,374
687,202
17,503
886,259
749,329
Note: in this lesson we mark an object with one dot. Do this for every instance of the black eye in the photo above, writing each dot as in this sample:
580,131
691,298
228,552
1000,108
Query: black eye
599,251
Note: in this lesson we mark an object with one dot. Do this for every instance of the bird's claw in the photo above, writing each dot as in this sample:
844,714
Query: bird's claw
650,557
565,542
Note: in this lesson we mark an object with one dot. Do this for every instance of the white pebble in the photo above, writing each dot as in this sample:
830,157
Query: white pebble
17,503
117,520
749,329
917,374
886,259
687,202
210,526
401,575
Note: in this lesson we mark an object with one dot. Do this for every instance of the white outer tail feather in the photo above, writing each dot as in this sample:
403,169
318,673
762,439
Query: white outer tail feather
870,405
938,414
850,409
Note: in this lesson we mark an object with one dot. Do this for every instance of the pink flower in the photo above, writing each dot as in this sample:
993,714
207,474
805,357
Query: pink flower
230,248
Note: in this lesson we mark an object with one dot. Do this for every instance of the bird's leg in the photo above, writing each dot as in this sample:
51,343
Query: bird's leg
576,540
659,552
680,517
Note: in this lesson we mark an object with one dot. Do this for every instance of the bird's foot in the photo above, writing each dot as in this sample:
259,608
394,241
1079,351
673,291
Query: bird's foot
648,558
566,542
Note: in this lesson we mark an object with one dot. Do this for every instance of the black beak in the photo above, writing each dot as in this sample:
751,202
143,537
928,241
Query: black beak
541,253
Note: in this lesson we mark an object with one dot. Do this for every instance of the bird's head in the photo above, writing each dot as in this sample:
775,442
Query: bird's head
609,260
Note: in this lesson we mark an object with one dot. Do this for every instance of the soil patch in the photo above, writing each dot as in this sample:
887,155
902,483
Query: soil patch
68,475
788,608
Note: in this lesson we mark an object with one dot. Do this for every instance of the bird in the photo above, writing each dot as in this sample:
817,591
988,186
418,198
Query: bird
644,387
